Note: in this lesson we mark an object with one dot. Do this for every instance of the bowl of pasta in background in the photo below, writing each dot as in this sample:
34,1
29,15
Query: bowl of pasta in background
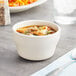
36,47
26,7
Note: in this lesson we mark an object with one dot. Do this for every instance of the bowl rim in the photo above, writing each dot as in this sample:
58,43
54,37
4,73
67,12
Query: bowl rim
14,30
29,5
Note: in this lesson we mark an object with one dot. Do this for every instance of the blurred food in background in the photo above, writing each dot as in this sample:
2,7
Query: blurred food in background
15,3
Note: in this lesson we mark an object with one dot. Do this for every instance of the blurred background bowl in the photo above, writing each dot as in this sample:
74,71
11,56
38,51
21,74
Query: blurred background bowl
26,7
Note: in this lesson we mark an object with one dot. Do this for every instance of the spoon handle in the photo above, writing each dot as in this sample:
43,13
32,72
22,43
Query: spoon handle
58,70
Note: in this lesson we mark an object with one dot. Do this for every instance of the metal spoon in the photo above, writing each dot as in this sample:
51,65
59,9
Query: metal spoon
58,70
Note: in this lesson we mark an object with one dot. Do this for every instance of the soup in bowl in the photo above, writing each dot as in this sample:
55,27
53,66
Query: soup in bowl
36,39
36,30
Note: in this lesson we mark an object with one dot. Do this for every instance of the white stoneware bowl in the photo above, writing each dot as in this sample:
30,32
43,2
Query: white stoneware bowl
36,47
26,7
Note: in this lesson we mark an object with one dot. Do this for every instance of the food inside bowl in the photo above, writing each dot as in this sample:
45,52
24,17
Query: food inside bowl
15,3
36,30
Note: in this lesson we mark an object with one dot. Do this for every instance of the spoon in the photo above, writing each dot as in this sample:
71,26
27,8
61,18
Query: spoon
58,70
